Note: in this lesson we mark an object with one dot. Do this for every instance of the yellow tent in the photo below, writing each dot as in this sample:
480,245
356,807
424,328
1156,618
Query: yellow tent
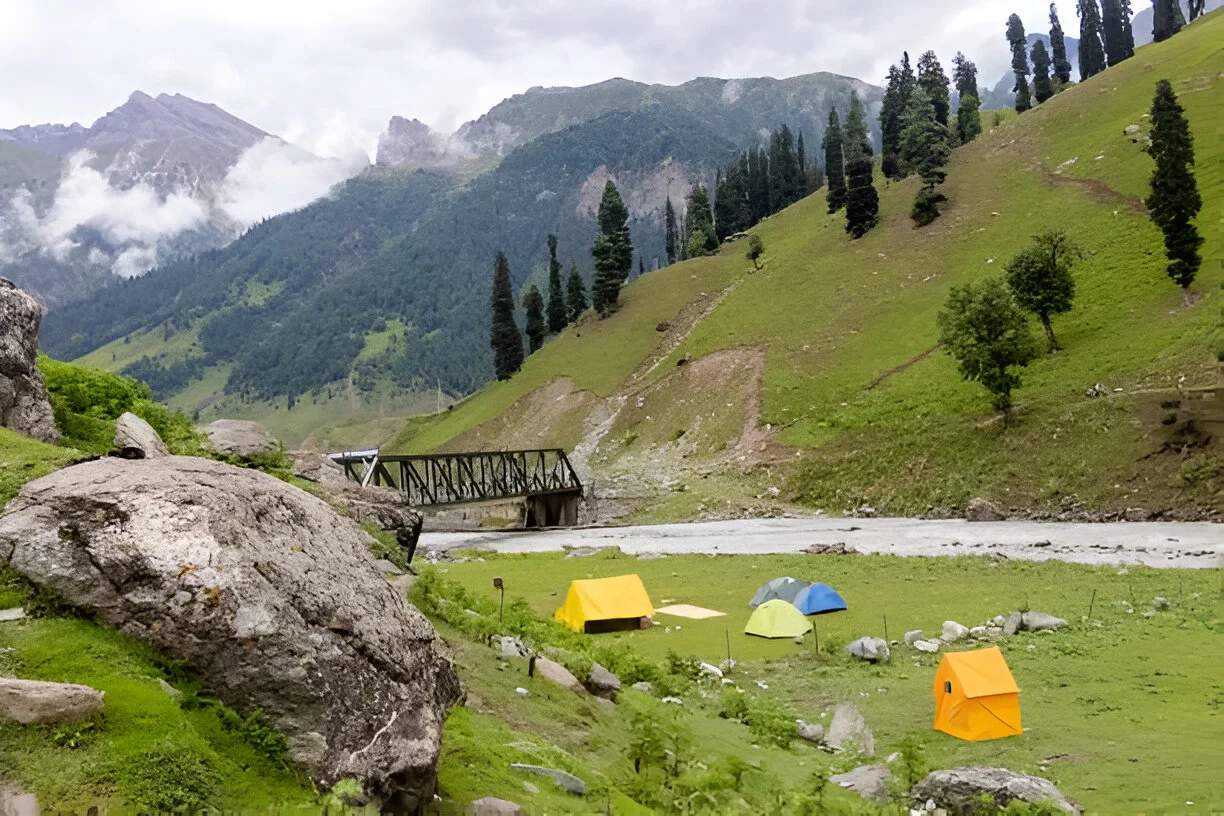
609,603
777,619
976,697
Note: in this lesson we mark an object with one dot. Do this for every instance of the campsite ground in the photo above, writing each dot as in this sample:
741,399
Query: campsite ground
1121,708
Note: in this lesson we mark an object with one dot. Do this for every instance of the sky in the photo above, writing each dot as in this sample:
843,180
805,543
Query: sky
328,74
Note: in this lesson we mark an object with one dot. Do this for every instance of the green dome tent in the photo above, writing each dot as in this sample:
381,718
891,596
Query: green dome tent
777,619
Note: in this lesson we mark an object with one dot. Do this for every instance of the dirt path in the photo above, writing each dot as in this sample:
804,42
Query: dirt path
1188,545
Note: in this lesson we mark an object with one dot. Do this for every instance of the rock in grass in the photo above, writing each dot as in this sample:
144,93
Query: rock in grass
1038,621
810,732
567,781
241,438
24,406
868,781
848,731
491,806
553,671
911,636
32,702
953,631
264,590
961,790
980,509
136,439
1013,624
14,614
870,649
603,683
1160,603
928,646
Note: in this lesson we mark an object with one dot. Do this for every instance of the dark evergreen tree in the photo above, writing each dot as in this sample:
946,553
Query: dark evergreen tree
613,251
933,80
670,239
1040,278
758,185
575,295
1196,9
964,76
862,201
854,132
968,119
556,295
1175,200
785,181
834,164
925,150
1168,19
1043,89
533,303
699,224
504,334
730,203
1020,67
1091,50
1116,30
890,124
1058,44
801,159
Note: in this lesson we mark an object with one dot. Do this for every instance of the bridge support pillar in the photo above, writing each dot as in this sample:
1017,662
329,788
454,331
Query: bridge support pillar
552,510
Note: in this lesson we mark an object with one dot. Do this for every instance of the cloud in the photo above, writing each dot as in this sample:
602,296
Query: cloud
273,177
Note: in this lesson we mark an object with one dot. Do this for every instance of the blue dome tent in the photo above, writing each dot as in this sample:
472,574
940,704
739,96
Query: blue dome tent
819,599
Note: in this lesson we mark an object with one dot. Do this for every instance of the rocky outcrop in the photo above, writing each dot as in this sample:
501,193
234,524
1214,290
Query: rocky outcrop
384,507
136,439
960,790
264,590
24,407
241,438
33,701
868,781
848,731
981,509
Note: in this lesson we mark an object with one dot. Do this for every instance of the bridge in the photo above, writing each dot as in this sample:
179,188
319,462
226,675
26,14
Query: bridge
544,478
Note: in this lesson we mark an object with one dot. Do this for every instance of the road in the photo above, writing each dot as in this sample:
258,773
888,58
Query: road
1192,545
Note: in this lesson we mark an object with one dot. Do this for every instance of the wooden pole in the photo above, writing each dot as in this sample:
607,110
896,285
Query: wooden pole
1091,604
886,628
728,633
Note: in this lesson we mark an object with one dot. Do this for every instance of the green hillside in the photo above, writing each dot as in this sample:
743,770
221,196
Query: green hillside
823,370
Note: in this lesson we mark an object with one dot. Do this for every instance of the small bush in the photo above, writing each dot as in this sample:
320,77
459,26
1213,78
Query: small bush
168,778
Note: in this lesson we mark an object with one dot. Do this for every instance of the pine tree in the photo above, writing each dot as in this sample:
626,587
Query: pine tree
925,150
862,201
1116,28
854,132
504,335
964,76
834,164
533,303
1040,278
575,295
1175,199
670,239
1168,19
1020,67
556,295
730,204
1058,44
613,251
933,80
699,224
1091,50
1196,9
1042,88
758,185
890,125
969,119
801,160
641,266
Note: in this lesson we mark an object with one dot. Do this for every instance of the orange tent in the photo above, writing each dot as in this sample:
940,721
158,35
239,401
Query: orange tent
976,697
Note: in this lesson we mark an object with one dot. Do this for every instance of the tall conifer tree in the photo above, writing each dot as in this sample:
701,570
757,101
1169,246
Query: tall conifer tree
533,303
933,80
1020,67
890,124
1175,200
835,170
854,131
925,150
575,295
1058,44
801,159
969,119
670,237
556,295
1091,49
504,335
862,201
1043,89
964,76
1167,20
699,224
1196,9
1116,30
613,251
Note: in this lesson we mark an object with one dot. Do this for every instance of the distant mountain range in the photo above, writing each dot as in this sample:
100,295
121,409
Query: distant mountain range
387,279
154,179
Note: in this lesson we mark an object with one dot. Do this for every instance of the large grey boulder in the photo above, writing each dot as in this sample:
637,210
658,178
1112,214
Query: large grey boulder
603,683
241,438
1013,624
553,671
870,649
384,507
320,469
24,407
136,439
264,590
1037,621
848,731
868,781
953,631
980,509
960,790
33,701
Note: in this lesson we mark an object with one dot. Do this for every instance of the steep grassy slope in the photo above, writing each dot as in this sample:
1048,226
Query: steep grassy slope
854,395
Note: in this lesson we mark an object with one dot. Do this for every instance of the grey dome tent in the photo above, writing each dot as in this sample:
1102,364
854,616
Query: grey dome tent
782,589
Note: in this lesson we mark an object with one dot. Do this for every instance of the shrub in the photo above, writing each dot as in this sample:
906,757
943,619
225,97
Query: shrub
169,777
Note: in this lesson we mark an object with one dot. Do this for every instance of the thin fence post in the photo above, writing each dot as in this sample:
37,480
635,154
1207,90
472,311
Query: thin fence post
885,628
1091,604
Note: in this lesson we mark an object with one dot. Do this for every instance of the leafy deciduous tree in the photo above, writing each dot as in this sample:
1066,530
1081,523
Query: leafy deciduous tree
504,335
1175,200
988,334
1040,278
756,248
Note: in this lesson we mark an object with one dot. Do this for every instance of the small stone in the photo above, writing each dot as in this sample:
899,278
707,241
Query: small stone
711,670
530,788
1160,603
511,647
1013,623
644,686
522,691
491,806
868,781
810,732
673,700
953,631
929,646
911,636
15,614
